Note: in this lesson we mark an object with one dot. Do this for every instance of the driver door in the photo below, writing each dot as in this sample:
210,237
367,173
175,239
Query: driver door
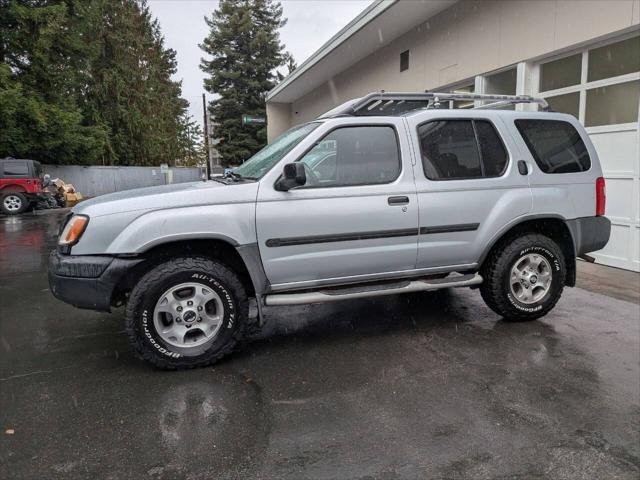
356,218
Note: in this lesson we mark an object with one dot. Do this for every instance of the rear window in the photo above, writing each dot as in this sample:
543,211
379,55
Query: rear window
556,146
16,169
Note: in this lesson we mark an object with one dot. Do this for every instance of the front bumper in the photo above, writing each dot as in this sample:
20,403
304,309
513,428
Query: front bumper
87,281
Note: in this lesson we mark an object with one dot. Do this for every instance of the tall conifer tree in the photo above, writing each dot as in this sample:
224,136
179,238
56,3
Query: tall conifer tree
244,51
89,82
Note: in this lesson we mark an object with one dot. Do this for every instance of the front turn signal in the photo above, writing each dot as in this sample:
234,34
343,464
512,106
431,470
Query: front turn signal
73,230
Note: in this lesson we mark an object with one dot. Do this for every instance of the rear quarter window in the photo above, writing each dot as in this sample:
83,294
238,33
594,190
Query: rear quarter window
16,169
555,145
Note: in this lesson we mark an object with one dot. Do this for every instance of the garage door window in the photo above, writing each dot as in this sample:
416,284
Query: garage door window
560,73
365,155
461,149
612,104
614,59
600,85
556,146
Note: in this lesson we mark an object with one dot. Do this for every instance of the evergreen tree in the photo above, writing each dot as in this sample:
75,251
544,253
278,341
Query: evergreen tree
131,88
43,62
88,81
191,143
245,50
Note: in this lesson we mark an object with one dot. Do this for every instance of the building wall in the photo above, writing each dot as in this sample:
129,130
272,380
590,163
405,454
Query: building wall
470,38
279,115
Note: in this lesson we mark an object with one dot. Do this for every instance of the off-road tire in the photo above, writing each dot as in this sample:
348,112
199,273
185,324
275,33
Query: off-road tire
139,312
496,271
21,198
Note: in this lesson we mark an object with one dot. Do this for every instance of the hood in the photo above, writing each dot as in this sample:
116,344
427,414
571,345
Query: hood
168,196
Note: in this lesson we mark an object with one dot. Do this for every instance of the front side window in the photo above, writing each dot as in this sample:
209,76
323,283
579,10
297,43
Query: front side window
461,149
258,165
556,146
363,155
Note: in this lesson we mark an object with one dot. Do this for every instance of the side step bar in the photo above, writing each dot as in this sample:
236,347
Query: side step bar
371,290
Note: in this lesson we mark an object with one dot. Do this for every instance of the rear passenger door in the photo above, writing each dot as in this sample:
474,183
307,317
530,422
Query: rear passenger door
468,185
357,216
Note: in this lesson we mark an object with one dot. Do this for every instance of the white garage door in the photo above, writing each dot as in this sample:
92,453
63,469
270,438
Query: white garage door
601,86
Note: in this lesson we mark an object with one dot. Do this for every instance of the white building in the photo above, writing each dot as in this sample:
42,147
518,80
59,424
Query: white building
582,55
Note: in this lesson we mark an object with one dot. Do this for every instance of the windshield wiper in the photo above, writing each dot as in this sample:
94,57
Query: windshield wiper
236,176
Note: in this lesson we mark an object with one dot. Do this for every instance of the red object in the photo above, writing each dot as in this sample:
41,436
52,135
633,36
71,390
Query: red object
601,196
20,176
26,185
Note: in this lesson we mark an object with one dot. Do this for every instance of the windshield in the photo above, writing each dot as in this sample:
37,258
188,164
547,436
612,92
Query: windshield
266,158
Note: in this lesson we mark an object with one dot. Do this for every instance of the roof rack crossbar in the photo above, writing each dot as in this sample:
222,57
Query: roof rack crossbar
433,99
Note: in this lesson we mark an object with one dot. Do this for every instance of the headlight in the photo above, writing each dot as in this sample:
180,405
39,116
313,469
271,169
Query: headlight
73,230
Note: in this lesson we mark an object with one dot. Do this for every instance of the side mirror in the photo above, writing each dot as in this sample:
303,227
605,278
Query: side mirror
293,175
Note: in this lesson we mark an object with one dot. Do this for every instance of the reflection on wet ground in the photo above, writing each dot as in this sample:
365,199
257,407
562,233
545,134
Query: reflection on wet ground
424,386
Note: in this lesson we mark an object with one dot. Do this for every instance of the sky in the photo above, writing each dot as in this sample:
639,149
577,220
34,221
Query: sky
310,24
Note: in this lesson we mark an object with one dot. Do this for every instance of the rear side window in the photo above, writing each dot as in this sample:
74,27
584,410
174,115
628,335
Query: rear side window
363,155
461,149
17,169
556,146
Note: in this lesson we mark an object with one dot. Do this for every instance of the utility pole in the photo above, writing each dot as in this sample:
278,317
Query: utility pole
206,137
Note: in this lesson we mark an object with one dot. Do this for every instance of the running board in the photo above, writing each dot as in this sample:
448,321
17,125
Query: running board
371,290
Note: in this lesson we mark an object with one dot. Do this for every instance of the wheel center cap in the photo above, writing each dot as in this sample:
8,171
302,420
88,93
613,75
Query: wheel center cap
189,316
533,279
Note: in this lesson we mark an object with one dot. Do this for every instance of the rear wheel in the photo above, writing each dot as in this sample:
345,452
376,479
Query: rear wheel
524,277
187,312
14,203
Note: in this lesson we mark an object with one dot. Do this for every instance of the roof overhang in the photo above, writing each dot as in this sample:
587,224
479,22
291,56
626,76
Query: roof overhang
378,25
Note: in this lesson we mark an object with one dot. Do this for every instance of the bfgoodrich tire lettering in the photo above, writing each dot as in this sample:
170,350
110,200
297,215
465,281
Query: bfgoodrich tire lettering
497,289
141,308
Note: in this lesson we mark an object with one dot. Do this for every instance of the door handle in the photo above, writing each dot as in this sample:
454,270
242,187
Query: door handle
401,200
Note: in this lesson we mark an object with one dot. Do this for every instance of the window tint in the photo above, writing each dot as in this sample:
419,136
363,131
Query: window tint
458,149
556,146
493,154
354,156
37,166
16,168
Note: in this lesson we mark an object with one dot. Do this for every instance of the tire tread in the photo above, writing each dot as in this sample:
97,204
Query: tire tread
178,265
497,264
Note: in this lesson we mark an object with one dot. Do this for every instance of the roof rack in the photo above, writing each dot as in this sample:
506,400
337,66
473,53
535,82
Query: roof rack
397,103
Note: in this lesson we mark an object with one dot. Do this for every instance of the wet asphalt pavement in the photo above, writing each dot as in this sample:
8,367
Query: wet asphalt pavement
401,387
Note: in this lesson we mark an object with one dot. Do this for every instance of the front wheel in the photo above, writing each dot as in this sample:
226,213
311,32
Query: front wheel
524,277
187,312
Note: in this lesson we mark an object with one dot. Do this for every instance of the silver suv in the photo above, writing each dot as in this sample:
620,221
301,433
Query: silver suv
386,194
